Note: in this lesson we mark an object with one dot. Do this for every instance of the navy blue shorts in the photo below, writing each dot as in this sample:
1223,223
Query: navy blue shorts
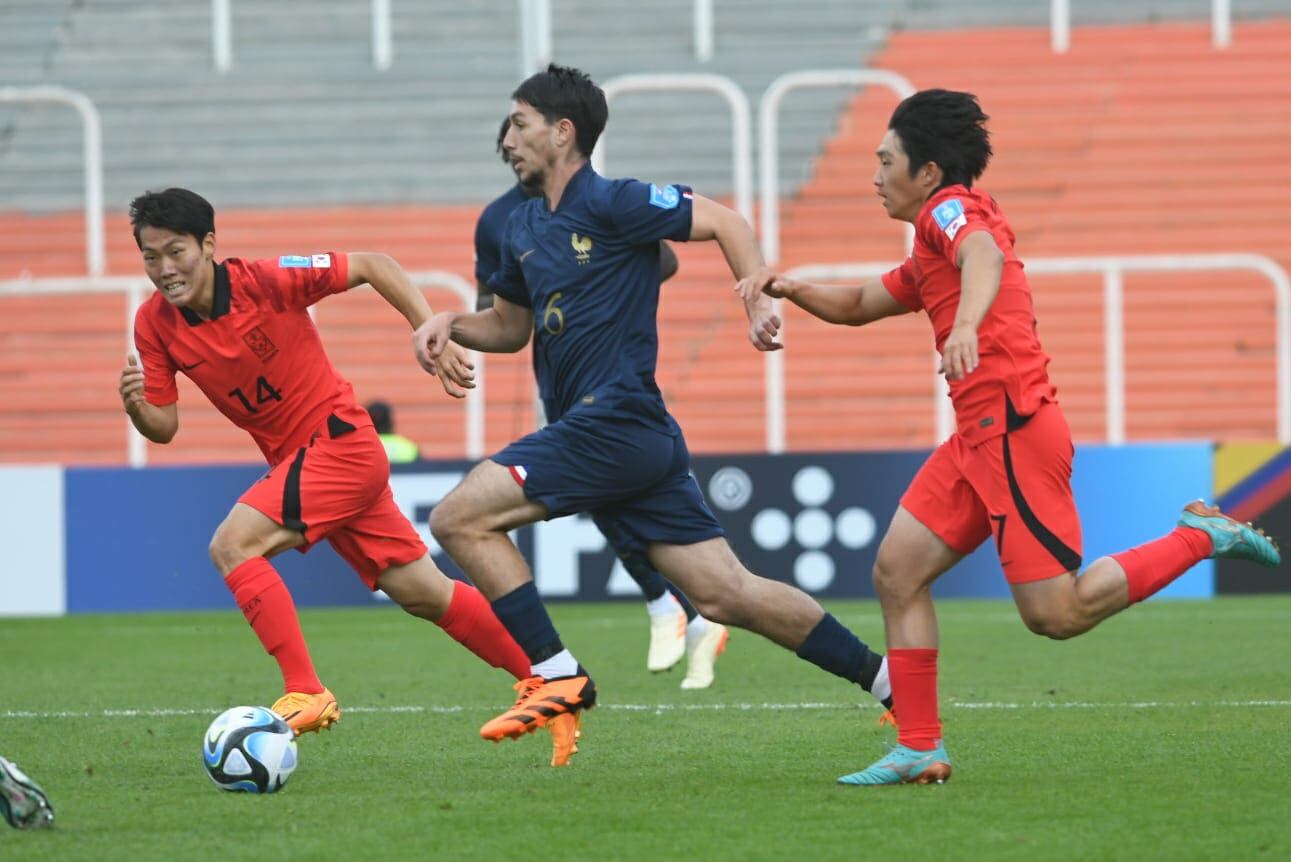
634,480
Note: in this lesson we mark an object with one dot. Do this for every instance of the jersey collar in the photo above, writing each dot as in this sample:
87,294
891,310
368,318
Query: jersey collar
219,301
574,188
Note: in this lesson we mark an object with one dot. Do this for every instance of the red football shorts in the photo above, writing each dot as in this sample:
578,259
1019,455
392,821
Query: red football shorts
1016,486
339,489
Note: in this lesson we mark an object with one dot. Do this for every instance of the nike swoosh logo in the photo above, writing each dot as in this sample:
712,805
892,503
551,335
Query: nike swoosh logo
904,769
183,367
526,254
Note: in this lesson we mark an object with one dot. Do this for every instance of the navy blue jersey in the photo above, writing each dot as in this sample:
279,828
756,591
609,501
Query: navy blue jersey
590,272
488,232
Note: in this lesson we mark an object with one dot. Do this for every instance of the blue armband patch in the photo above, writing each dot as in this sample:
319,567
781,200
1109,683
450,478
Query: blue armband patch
665,198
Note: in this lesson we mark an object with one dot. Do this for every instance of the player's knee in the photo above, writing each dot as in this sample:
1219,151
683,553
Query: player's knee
1055,624
227,552
445,524
721,600
889,580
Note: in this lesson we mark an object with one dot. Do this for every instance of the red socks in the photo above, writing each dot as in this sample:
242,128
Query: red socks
471,622
1151,566
265,602
913,673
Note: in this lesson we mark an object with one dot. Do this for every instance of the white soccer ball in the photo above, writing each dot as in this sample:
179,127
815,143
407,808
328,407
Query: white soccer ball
249,748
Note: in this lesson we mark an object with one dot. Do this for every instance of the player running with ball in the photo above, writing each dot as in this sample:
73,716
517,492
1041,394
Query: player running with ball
241,330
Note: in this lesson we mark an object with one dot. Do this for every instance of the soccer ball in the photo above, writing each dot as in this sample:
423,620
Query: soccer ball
249,748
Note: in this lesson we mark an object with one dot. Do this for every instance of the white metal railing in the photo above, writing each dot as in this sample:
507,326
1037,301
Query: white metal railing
135,289
535,36
1113,269
382,36
741,123
222,35
1221,24
92,155
769,162
704,25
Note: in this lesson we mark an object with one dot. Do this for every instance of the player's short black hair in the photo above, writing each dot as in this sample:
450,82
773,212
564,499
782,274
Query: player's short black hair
382,416
566,93
175,209
946,127
502,133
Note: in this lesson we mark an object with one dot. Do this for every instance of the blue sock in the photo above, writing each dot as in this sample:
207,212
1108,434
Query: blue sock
522,613
832,647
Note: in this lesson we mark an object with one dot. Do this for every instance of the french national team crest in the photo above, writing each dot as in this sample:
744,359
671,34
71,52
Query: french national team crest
582,248
950,217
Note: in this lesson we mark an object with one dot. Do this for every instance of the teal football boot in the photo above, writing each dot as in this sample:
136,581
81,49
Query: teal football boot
904,765
1232,539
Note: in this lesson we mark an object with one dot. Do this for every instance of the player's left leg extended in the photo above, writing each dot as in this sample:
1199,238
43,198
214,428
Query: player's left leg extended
726,592
1039,536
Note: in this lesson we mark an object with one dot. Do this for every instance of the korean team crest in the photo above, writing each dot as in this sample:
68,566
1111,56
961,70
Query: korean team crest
582,248
260,344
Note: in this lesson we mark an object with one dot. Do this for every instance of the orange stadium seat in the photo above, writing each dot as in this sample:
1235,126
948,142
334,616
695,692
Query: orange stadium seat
1141,139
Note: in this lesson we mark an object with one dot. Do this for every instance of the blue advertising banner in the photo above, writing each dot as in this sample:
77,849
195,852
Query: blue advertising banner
137,539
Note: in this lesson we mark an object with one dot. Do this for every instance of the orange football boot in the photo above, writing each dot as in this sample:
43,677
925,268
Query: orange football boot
308,713
566,730
540,701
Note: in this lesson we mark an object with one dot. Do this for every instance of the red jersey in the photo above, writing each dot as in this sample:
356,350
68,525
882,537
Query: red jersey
259,357
1012,364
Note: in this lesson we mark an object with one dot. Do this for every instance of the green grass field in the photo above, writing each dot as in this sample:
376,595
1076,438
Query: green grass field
1162,735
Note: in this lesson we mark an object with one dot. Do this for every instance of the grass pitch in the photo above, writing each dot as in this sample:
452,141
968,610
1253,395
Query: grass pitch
1161,735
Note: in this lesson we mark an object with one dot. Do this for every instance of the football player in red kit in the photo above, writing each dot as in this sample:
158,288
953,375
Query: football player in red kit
1006,471
241,330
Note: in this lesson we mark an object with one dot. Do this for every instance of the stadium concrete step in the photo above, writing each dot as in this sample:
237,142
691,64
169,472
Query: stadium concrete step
1118,160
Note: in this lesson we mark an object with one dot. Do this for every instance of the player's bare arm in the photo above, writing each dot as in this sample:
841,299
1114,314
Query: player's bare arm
158,424
850,305
504,328
981,264
712,221
454,367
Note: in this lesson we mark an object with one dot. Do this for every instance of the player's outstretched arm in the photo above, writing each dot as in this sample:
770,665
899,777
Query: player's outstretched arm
455,370
158,424
712,221
503,328
852,305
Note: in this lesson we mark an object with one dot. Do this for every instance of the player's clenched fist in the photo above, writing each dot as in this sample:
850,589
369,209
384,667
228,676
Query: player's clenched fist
131,385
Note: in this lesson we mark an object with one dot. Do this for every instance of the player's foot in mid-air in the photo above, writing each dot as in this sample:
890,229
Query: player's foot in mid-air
541,700
667,640
1232,539
22,803
701,655
308,713
903,765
